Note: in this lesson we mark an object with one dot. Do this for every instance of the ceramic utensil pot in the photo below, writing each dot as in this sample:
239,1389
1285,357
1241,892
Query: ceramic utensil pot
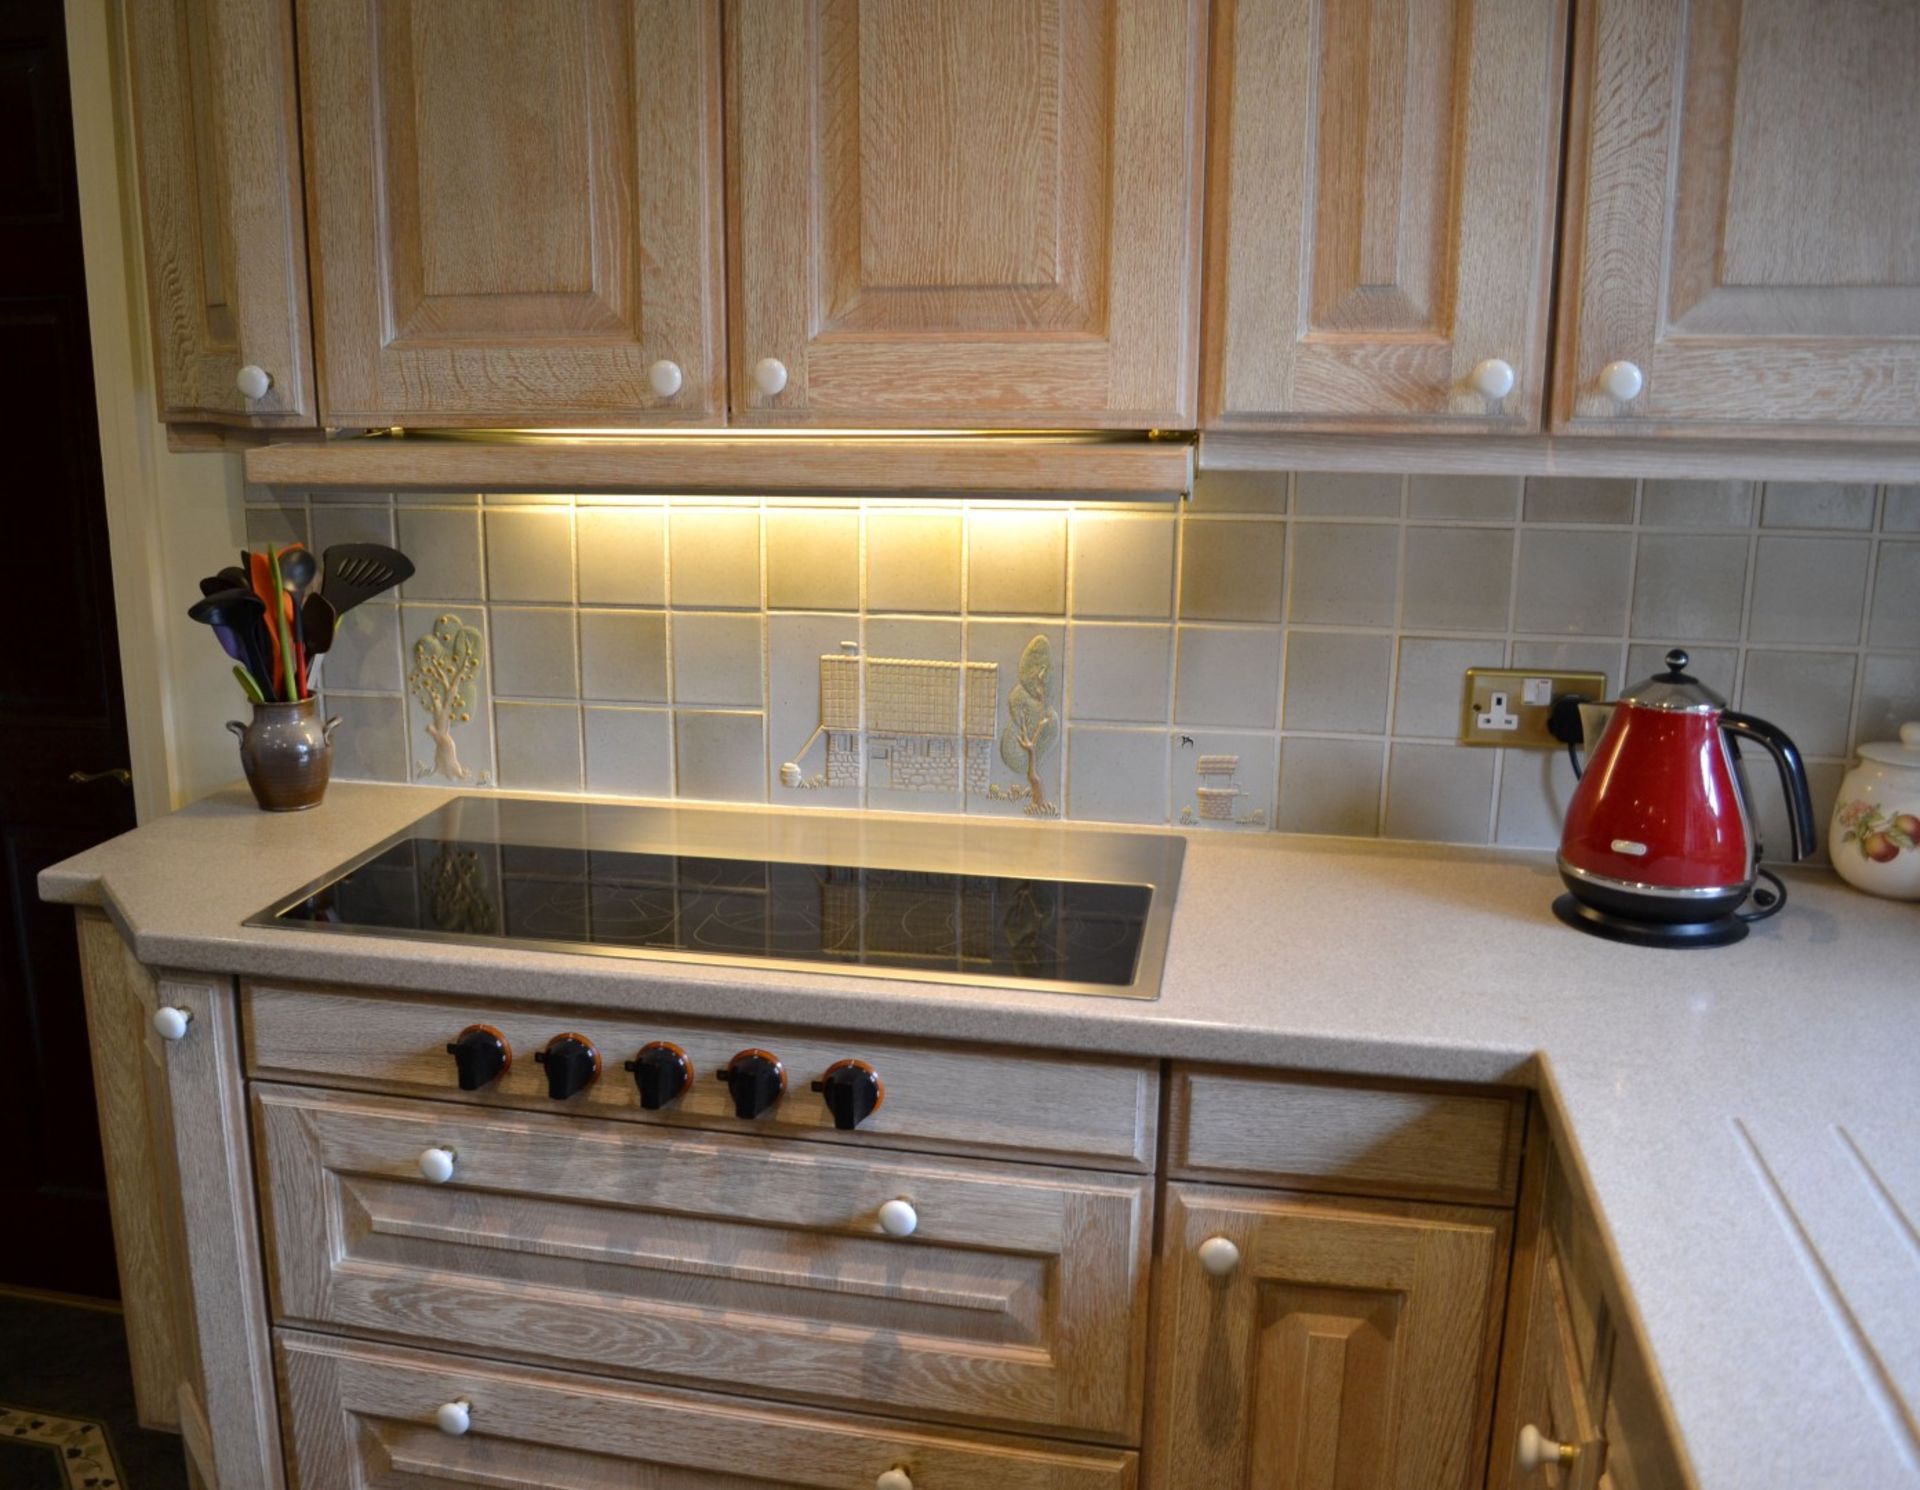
1875,838
1659,847
288,754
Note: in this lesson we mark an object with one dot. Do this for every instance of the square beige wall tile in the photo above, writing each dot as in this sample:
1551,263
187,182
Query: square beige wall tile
370,743
913,560
713,557
1239,491
1121,565
716,658
1579,499
1432,683
1807,694
538,746
533,652
275,527
1717,667
1439,793
1689,586
1889,696
529,554
1337,681
623,555
1901,512
1117,775
1474,498
1227,677
1696,504
1330,786
623,655
1347,494
720,757
365,656
1121,674
1808,590
629,751
1458,579
1536,787
445,550
1345,574
343,524
1895,618
1817,504
1016,563
813,558
1573,582
1232,570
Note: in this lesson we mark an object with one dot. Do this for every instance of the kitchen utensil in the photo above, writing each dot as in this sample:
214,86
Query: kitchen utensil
248,685
1659,847
298,568
1875,837
287,753
238,620
290,683
356,572
317,617
227,579
262,586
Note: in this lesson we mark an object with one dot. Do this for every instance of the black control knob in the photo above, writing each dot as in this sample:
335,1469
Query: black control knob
481,1055
853,1091
757,1080
572,1065
662,1072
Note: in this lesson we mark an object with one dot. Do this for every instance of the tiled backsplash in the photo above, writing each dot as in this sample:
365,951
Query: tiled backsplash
1284,651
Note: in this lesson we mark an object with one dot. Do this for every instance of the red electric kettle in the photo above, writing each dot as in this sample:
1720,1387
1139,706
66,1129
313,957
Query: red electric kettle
1659,847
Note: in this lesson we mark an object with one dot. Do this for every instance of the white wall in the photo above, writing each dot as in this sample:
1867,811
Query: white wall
170,517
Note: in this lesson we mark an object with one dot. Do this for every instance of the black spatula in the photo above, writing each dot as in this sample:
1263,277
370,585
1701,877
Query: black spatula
356,572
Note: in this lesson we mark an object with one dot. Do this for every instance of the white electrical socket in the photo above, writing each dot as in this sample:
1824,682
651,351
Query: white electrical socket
1497,718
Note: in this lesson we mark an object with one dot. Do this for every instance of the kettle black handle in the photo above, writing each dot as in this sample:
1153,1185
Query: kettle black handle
1793,775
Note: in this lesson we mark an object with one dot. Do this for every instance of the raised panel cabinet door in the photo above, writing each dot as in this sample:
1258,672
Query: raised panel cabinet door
217,144
515,209
1009,1295
1316,1343
1381,202
1742,244
964,212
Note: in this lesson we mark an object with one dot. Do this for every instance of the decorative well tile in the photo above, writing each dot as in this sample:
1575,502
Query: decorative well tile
1224,779
1122,565
1232,570
538,746
1227,676
720,757
623,555
530,554
813,558
714,557
1330,786
1117,775
913,560
629,751
1017,563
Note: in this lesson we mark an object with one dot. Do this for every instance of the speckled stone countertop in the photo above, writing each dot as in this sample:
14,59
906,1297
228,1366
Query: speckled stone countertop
1747,1120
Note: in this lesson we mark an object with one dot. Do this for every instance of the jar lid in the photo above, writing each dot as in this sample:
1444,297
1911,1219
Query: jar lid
1904,752
1675,690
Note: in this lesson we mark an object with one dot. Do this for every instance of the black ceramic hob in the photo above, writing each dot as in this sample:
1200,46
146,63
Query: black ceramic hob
1044,907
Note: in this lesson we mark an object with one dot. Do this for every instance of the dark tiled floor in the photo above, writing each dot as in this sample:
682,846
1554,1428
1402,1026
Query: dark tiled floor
69,1361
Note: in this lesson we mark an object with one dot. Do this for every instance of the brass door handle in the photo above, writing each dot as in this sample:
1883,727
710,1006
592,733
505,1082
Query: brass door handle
119,773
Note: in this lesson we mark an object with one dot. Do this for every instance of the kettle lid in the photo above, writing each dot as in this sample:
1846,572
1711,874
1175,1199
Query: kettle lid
1905,753
1675,690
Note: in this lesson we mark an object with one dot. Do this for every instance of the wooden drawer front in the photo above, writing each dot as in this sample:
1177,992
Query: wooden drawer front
1308,1133
945,1099
363,1415
754,1265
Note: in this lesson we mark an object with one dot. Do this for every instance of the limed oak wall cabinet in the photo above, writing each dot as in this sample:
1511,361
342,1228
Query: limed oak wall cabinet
1742,239
218,151
1380,214
516,210
343,1267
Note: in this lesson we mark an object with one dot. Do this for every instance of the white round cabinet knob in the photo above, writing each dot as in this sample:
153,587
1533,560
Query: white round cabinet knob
436,1165
769,375
253,382
1622,381
453,1418
1219,1256
170,1023
899,1218
893,1479
1492,378
665,377
1537,1450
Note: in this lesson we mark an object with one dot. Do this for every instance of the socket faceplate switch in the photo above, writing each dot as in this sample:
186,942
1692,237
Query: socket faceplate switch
1509,706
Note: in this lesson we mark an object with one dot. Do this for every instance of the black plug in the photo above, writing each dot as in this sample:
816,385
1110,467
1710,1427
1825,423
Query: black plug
1563,719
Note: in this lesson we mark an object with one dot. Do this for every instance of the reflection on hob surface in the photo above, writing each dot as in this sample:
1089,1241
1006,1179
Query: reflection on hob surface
1070,931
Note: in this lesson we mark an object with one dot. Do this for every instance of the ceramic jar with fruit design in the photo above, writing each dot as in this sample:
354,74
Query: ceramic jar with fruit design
1875,841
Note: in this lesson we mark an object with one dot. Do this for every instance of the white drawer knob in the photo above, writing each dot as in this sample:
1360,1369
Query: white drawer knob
893,1479
436,1165
1219,1256
899,1218
1621,381
170,1023
665,377
769,375
453,1418
1537,1450
1492,378
253,382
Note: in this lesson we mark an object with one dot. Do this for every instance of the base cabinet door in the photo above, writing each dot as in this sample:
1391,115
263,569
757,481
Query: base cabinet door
963,212
1381,213
1315,1343
362,1415
1742,244
515,210
217,142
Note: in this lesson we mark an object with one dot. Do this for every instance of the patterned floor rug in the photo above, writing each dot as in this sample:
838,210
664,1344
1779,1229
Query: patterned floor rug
66,1403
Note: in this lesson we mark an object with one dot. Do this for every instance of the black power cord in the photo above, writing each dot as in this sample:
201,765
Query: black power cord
1563,723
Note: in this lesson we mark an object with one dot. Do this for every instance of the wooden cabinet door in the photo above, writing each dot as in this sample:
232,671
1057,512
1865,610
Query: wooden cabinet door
748,1265
1380,212
515,210
218,148
963,212
1350,1343
1743,220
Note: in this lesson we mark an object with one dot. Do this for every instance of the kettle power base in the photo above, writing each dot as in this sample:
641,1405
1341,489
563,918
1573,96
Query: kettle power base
1721,931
